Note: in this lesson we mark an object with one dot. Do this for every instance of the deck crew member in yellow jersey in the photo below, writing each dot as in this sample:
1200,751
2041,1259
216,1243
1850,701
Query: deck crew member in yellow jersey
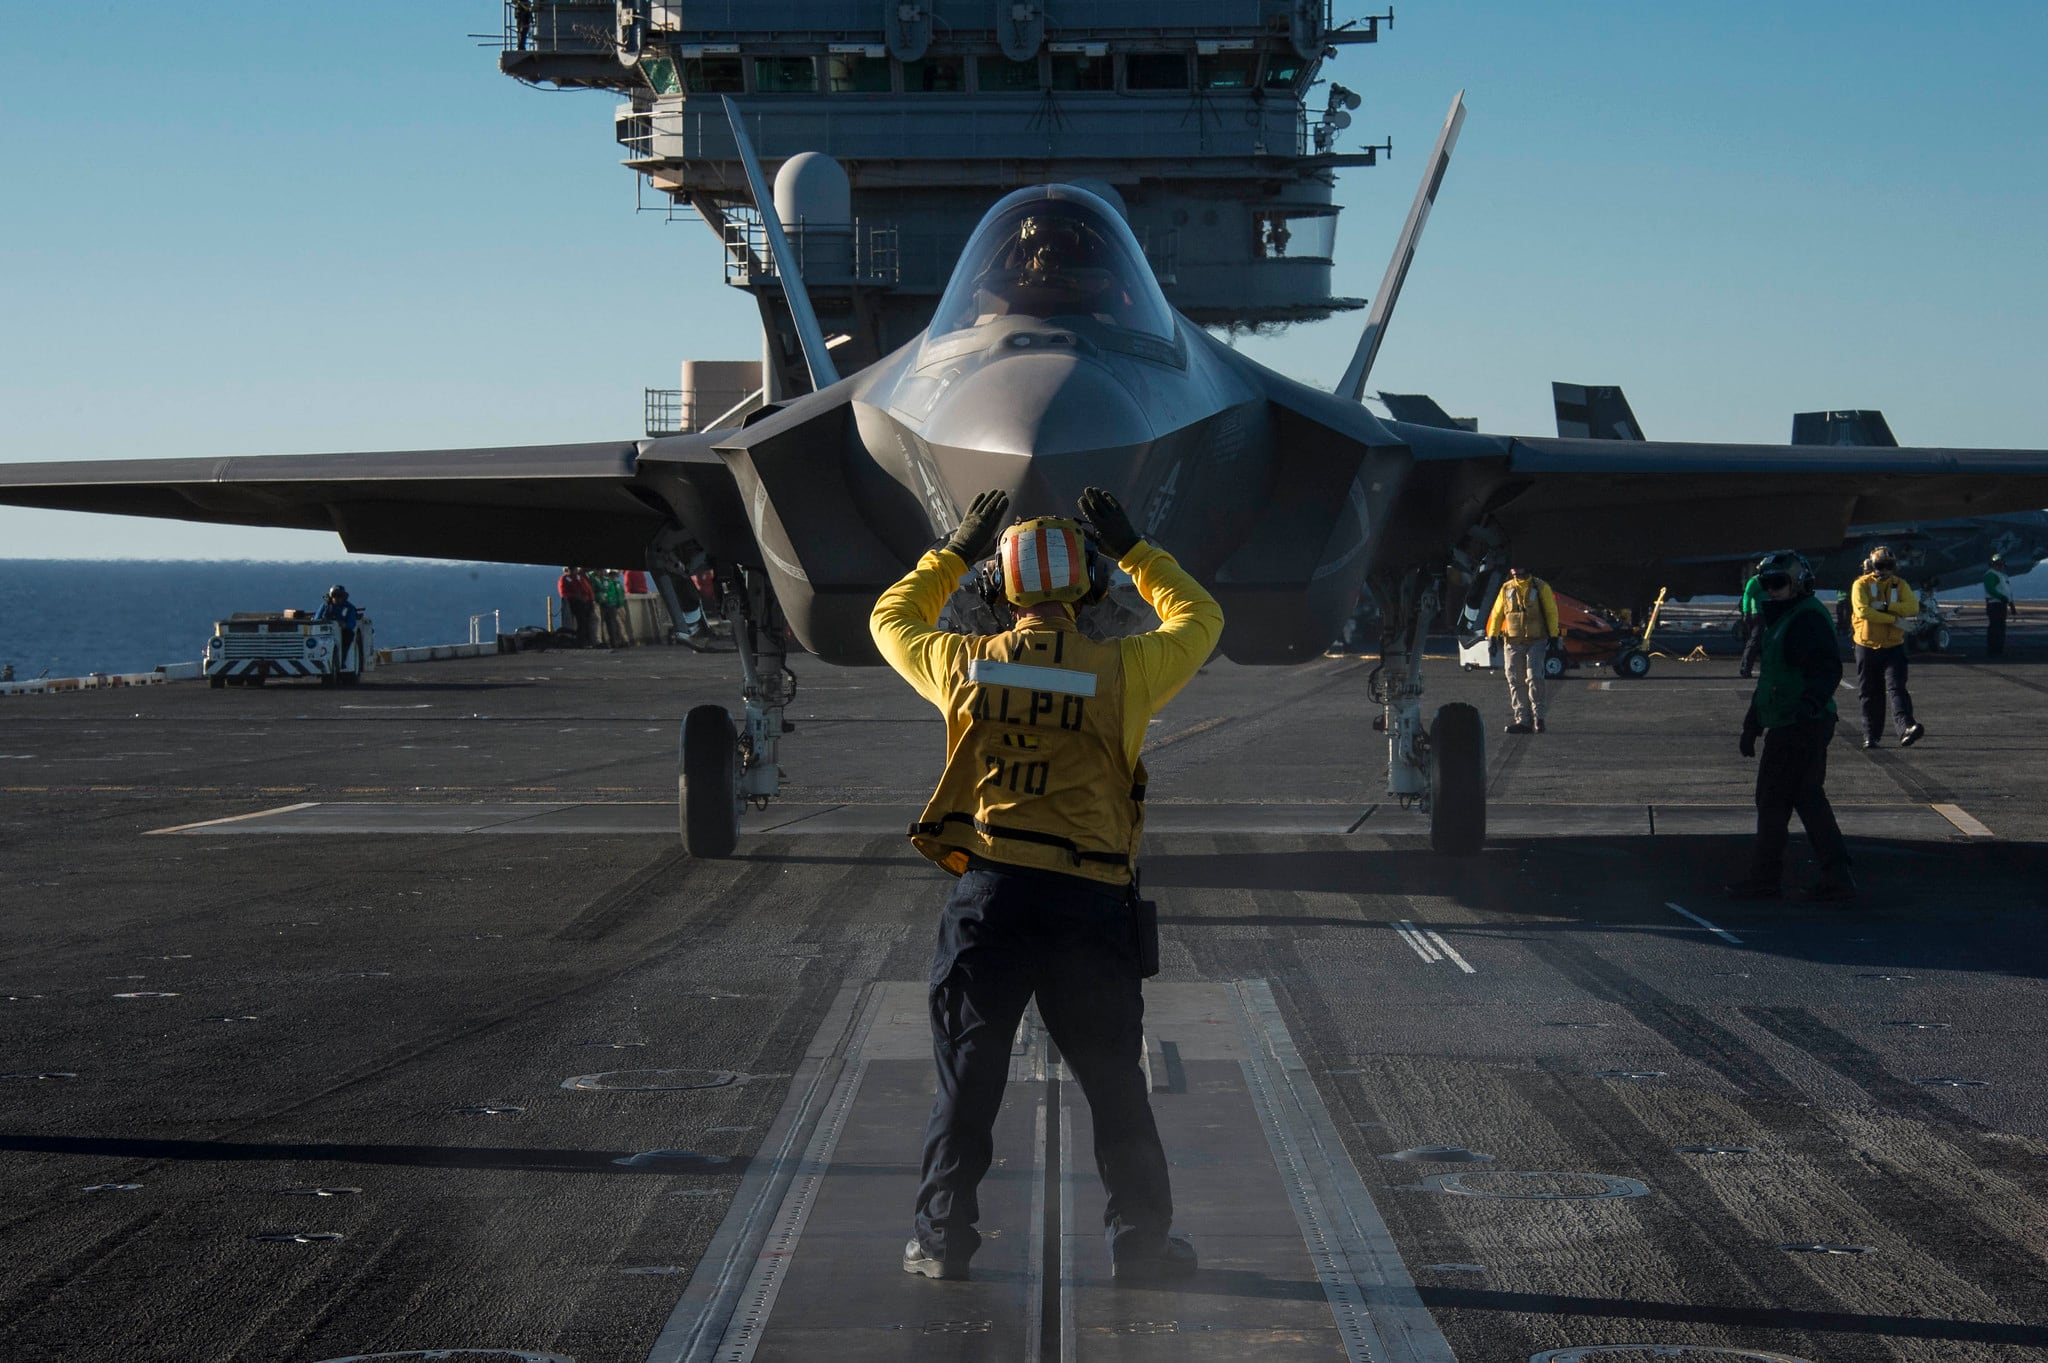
1039,813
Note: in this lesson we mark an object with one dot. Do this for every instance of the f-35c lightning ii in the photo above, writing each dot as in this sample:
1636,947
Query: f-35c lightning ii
1052,362
1935,555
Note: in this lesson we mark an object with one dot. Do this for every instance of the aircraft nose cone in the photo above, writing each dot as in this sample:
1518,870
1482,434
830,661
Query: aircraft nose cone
1039,403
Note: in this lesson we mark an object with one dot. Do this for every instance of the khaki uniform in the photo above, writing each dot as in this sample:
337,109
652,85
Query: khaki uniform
1524,619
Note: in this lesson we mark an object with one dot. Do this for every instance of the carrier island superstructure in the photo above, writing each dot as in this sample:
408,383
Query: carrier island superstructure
892,125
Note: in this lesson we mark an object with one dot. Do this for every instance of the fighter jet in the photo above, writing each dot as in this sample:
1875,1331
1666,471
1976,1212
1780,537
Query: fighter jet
1935,555
1052,362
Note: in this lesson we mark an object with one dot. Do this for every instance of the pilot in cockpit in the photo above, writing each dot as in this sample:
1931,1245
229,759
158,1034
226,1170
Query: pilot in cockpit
1053,264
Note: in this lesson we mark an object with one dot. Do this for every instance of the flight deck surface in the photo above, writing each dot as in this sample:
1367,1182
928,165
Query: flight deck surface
347,1023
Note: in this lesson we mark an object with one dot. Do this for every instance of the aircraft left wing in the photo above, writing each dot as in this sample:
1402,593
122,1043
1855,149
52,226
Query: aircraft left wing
1564,502
598,503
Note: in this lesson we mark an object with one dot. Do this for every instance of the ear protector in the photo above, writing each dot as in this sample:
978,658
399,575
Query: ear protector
1047,558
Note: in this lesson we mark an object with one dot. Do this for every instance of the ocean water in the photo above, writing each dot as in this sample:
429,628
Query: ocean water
68,617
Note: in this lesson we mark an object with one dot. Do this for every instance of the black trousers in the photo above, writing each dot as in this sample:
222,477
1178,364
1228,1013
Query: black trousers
1752,643
1881,672
1994,628
1791,777
586,623
1009,934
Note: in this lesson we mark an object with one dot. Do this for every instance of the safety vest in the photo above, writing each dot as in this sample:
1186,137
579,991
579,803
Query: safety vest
1039,777
1885,593
1997,586
1780,685
1522,620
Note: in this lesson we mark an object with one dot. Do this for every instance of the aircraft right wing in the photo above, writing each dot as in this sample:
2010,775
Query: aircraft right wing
1573,501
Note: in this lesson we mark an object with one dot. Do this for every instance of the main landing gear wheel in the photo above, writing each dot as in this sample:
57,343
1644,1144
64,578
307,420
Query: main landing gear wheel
707,788
1633,665
1457,781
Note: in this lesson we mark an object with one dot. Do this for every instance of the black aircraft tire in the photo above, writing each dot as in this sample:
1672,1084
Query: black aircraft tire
1457,781
706,798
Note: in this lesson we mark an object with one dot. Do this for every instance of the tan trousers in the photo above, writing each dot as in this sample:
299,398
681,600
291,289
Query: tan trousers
1524,665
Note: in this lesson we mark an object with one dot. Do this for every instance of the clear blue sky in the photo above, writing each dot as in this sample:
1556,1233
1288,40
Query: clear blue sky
237,229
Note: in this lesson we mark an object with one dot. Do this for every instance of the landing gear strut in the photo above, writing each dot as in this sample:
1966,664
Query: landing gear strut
726,767
1440,769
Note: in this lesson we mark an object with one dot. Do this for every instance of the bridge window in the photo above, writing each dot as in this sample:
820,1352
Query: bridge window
997,75
662,76
1074,71
1294,233
940,75
850,73
1283,73
1156,71
713,75
1226,71
785,75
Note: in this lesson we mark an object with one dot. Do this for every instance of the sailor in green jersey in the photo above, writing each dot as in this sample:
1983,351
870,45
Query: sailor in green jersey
1752,624
1998,603
1793,711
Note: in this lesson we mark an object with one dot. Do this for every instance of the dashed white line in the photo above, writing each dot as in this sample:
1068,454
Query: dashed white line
1450,951
1722,933
1430,945
1415,941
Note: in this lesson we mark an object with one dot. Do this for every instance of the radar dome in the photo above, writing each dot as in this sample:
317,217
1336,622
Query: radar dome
812,188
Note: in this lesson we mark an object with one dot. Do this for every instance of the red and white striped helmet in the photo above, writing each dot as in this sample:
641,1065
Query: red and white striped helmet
1044,559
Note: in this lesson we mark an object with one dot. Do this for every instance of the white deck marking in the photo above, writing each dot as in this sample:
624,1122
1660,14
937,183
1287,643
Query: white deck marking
233,818
1415,941
1722,933
1956,815
1450,951
1380,1316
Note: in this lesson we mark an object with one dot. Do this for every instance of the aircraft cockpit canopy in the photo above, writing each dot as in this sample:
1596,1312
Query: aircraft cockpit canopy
1054,252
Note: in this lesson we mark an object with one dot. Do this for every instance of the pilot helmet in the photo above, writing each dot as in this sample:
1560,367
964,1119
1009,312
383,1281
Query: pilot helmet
1049,241
1788,565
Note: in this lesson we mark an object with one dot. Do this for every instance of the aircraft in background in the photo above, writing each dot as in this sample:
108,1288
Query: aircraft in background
1053,362
1935,555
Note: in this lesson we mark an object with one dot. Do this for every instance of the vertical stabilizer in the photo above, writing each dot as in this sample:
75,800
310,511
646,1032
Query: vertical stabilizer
816,358
1585,412
1419,409
1352,385
1867,428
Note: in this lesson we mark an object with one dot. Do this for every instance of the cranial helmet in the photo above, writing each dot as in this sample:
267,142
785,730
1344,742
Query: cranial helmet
337,593
1999,559
1046,558
1881,559
1789,562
